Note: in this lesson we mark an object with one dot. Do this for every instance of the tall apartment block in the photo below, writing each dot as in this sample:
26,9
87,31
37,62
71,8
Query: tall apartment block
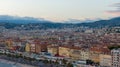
115,53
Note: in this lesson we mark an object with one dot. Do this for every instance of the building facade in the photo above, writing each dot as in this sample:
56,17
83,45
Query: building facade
85,54
105,60
64,51
75,53
115,53
27,47
52,49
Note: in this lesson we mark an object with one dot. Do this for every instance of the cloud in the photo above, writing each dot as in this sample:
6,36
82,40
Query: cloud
116,5
116,11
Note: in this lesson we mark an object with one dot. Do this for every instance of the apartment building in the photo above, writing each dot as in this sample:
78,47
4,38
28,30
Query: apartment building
105,60
115,53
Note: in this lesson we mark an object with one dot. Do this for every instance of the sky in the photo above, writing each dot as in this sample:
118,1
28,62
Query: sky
60,10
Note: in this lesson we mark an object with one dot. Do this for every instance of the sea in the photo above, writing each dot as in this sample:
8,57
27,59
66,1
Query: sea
7,65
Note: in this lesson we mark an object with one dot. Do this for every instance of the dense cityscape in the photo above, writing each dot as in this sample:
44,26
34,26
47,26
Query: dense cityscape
59,33
68,47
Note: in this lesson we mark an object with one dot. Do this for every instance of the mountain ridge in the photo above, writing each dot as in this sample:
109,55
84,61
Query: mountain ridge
34,23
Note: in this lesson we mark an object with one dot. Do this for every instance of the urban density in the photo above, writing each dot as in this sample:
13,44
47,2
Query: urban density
59,33
68,47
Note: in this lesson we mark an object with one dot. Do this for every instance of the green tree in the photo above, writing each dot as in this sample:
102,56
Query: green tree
69,65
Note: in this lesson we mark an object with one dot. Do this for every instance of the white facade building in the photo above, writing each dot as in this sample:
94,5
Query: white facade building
115,53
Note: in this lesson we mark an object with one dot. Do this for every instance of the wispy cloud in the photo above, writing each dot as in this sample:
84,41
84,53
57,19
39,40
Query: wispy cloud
116,11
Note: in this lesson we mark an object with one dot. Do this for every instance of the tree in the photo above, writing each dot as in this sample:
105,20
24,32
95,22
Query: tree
114,47
89,62
69,65
64,61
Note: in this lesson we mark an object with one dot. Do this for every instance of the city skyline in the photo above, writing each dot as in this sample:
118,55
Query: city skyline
59,33
61,10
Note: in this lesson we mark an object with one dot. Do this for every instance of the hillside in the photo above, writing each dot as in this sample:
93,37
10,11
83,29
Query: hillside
43,24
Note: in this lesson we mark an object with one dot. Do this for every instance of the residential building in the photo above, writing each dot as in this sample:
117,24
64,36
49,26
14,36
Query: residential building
9,43
105,60
32,47
115,53
94,54
64,51
27,47
52,49
40,48
75,53
85,54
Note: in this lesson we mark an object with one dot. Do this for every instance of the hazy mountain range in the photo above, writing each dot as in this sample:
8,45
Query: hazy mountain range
40,23
23,20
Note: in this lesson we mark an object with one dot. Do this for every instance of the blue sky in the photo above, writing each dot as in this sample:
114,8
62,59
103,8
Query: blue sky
59,10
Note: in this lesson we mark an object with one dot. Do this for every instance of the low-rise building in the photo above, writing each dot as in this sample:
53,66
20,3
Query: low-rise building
75,53
32,47
94,55
64,51
105,60
27,47
85,54
52,49
40,48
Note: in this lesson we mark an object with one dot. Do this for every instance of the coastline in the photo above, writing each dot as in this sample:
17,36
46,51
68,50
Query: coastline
17,64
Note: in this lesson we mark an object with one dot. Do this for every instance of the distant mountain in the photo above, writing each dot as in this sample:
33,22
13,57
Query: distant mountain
23,20
74,21
35,23
103,23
